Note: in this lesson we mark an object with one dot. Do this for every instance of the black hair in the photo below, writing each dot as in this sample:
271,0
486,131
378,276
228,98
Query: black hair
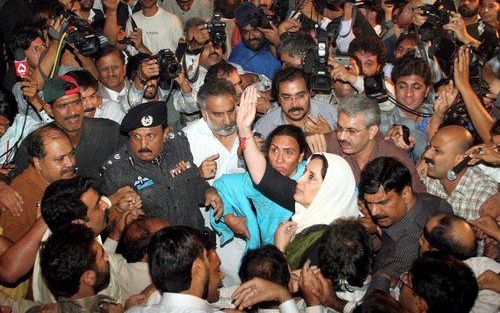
384,172
133,244
24,38
369,44
8,105
409,65
171,255
65,257
291,131
379,301
344,253
296,44
219,71
324,161
445,283
35,140
61,203
266,262
134,64
288,74
214,88
84,79
107,50
442,238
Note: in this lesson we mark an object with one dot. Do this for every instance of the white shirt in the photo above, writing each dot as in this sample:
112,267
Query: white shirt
111,110
203,144
487,301
175,303
120,97
160,31
41,292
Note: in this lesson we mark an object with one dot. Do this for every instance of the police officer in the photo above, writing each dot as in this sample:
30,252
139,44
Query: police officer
159,165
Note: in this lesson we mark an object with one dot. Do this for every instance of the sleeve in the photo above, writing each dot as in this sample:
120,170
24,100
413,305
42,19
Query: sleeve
283,195
346,35
135,97
186,102
289,306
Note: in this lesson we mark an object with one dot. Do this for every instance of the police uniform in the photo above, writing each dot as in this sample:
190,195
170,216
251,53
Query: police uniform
169,186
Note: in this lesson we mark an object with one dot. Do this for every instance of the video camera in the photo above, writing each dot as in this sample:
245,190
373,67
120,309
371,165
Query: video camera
217,30
316,64
80,34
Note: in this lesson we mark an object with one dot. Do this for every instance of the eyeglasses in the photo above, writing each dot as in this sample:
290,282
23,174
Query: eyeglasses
39,48
404,280
349,131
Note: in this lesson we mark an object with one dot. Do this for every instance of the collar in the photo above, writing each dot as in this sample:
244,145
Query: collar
89,304
172,300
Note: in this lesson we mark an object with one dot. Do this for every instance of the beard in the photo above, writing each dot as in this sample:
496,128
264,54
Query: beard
466,12
102,278
150,95
255,44
224,130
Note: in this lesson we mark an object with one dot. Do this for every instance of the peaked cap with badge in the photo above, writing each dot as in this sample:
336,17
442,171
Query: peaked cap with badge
149,114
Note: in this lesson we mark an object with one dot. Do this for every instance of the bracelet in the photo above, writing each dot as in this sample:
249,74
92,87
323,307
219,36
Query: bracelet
243,143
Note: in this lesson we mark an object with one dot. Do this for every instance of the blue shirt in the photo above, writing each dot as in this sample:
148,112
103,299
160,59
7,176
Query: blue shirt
262,61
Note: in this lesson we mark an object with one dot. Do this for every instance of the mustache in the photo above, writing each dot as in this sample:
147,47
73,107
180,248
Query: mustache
213,53
144,150
71,169
89,110
379,217
71,117
344,142
295,109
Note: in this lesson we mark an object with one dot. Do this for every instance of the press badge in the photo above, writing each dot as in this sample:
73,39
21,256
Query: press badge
143,182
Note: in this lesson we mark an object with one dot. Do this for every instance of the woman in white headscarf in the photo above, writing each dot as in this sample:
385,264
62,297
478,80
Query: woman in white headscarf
326,191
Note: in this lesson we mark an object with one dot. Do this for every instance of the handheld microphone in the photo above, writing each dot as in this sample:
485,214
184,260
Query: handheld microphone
20,63
452,173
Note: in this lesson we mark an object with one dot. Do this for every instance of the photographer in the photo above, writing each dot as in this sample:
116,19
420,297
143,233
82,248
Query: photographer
144,71
259,35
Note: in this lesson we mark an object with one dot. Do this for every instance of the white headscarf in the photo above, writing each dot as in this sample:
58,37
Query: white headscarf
336,198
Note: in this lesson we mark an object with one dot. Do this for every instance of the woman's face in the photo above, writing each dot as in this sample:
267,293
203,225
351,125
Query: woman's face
4,125
309,183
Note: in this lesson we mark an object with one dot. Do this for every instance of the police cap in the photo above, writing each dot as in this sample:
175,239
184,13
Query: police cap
149,114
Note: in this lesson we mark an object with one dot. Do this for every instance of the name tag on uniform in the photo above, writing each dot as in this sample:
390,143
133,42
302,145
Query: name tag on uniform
181,167
143,182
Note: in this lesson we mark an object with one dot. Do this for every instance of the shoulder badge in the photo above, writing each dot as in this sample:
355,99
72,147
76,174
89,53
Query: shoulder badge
143,182
117,156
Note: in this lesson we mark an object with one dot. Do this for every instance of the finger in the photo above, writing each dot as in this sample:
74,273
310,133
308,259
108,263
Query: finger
212,157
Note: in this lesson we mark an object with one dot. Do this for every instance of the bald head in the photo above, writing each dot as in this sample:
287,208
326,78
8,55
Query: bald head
451,234
459,136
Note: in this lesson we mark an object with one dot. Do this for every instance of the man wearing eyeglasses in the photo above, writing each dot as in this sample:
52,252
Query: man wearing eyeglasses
358,140
291,89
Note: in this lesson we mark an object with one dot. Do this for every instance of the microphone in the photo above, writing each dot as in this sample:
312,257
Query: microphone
20,63
452,173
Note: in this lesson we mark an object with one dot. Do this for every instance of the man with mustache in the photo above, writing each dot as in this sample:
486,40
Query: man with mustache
93,104
213,139
94,140
291,89
160,167
399,215
358,140
52,157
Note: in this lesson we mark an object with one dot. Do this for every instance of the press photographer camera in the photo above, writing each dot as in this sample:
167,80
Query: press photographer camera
217,30
80,34
169,67
316,64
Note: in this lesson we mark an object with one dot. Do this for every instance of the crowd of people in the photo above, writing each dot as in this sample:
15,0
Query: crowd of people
250,156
